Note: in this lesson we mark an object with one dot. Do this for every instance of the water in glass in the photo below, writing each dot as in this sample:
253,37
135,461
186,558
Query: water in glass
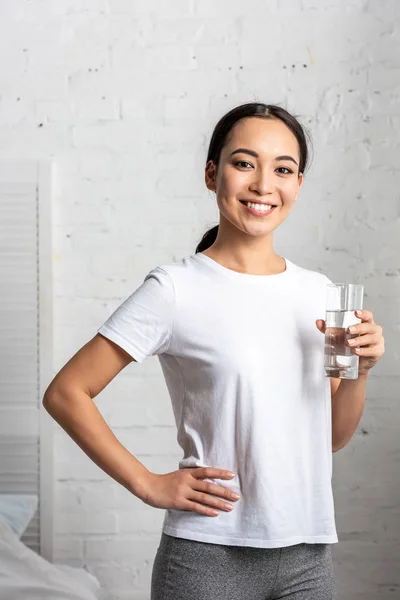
340,360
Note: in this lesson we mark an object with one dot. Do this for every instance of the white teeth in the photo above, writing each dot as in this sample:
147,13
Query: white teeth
259,207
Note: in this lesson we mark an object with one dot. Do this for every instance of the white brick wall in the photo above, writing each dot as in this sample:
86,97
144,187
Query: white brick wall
124,95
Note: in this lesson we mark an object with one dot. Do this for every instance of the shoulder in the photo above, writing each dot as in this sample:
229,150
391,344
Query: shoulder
310,276
166,278
173,272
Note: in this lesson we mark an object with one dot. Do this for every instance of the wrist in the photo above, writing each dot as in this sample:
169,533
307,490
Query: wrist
363,374
139,482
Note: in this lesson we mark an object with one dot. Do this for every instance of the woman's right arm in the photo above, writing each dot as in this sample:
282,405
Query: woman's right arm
69,400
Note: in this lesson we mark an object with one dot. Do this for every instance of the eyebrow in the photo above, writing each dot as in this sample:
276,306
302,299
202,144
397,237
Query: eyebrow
253,153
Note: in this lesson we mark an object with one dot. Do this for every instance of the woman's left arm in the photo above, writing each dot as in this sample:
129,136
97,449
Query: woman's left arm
349,397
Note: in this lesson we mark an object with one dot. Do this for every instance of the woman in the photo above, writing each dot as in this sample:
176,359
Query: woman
238,333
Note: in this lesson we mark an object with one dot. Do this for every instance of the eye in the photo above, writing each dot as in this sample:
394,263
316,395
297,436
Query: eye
285,169
241,162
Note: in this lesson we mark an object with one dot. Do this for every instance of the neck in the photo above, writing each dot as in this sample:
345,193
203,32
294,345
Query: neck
254,258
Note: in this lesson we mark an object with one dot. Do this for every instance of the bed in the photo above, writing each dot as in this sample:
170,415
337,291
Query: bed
24,574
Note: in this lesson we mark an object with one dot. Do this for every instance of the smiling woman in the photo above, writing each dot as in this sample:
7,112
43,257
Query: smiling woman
234,328
267,186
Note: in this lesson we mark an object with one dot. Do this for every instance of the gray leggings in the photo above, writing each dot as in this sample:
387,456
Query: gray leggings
190,570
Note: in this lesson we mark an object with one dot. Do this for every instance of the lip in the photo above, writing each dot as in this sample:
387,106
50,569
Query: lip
257,213
257,202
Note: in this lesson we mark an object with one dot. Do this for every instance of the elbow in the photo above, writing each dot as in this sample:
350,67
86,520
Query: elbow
47,403
336,447
336,444
50,398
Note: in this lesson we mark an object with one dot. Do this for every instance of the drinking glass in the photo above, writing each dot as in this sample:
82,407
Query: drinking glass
342,300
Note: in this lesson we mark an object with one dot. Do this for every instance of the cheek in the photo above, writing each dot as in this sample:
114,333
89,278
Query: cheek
228,183
289,192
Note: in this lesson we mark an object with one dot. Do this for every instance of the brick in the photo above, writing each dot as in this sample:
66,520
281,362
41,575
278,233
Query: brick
101,522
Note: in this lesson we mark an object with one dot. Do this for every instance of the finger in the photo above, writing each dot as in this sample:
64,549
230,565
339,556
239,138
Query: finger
207,499
372,351
362,328
365,315
211,473
203,510
321,325
364,340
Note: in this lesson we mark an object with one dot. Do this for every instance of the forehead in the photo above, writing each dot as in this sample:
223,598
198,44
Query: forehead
265,136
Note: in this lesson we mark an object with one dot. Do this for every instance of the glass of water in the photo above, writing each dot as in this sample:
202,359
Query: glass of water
341,302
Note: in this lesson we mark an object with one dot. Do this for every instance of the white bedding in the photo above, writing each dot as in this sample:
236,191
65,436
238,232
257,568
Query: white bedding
24,575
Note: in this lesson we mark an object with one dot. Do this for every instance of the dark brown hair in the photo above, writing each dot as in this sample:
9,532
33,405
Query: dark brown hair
225,125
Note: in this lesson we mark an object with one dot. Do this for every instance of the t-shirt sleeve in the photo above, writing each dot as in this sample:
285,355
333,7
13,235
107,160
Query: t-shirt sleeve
142,324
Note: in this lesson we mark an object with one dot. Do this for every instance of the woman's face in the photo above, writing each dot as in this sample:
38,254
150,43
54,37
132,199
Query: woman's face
271,177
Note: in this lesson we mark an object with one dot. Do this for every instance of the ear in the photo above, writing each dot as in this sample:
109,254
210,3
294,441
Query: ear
210,176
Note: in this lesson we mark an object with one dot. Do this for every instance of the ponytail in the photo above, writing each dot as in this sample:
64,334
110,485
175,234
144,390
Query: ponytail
208,239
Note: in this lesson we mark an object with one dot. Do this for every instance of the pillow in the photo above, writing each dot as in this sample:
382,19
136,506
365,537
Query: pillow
17,510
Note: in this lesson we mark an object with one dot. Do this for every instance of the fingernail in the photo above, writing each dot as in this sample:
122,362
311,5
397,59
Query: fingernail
359,312
352,329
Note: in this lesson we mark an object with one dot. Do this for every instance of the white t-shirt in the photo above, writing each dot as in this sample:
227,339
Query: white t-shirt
243,361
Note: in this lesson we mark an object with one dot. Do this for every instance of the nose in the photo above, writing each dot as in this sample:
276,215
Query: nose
264,182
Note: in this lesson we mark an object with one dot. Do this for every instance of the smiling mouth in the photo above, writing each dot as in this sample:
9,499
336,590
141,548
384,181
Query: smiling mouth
258,207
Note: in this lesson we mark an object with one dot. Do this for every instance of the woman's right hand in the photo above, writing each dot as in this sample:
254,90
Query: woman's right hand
185,490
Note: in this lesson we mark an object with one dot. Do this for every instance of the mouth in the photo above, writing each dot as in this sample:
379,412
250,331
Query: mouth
258,208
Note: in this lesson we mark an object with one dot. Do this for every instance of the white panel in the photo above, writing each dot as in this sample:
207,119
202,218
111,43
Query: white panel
25,272
18,420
